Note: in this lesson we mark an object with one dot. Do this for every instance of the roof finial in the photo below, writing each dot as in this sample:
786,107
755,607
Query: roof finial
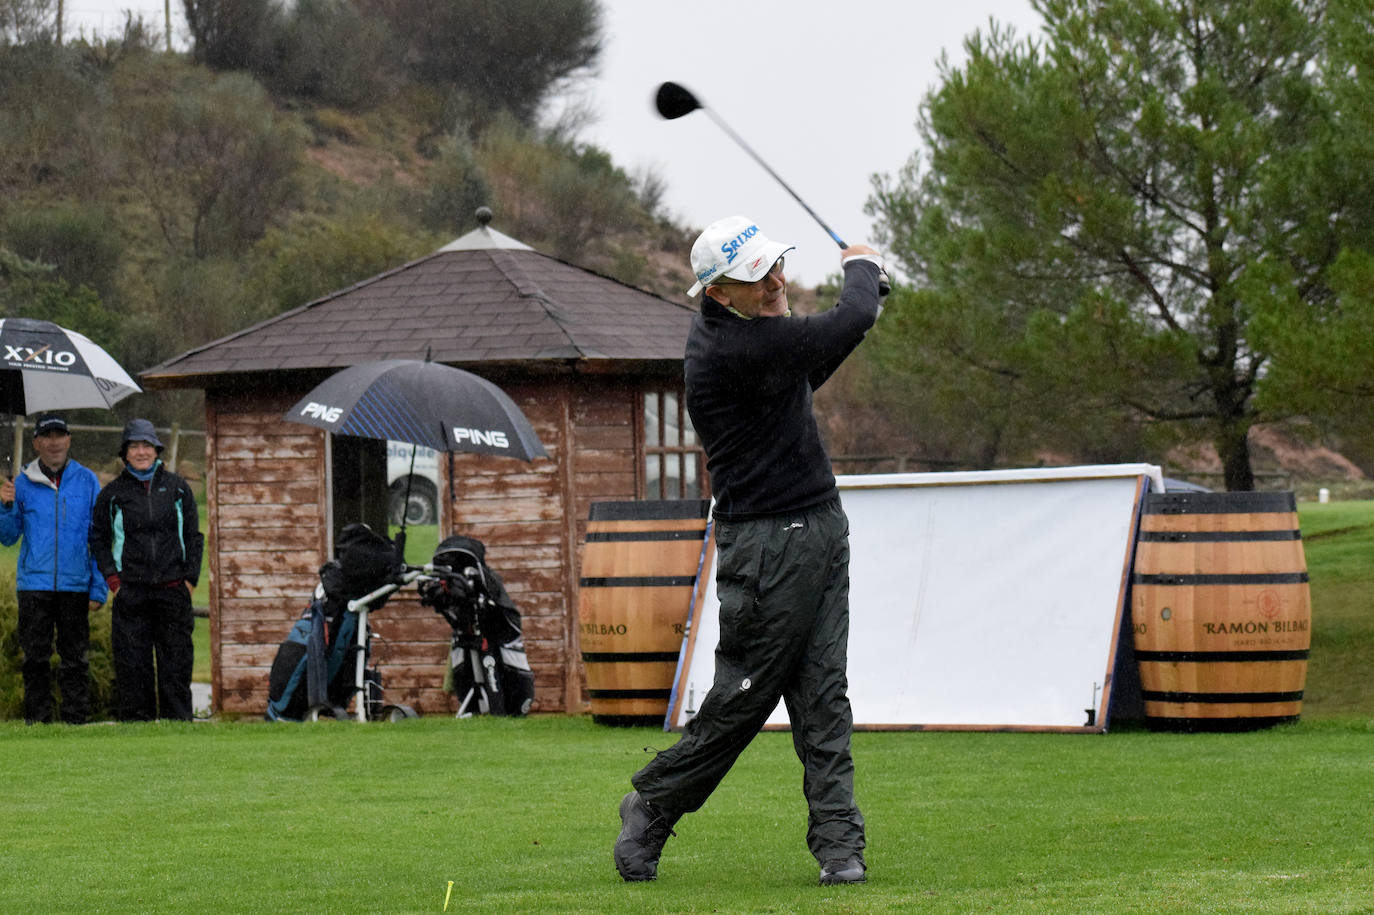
482,238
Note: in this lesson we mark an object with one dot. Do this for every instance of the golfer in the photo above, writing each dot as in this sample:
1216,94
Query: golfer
782,542
57,583
146,539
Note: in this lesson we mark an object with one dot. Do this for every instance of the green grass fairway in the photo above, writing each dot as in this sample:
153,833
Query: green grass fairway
1338,541
200,643
421,539
521,815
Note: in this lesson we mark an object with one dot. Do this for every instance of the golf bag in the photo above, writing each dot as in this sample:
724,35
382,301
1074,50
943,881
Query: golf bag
487,670
314,668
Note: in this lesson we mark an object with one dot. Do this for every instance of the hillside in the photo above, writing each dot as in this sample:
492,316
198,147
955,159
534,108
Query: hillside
156,204
534,193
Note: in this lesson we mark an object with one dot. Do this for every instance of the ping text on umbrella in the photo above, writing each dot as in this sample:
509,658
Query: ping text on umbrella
491,437
322,412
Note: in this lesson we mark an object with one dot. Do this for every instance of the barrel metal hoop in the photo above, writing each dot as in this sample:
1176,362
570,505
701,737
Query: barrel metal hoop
1218,536
658,510
1212,657
1219,503
618,657
1235,578
629,693
1221,698
645,536
640,581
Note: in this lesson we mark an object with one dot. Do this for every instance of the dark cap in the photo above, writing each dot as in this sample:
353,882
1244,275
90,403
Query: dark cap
49,423
139,430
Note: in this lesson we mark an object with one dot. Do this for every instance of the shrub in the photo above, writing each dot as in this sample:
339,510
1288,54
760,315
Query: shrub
507,56
11,676
330,51
316,255
557,196
456,187
79,238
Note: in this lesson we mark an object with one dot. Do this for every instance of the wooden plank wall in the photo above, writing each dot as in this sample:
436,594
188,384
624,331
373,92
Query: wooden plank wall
607,467
532,517
268,531
266,503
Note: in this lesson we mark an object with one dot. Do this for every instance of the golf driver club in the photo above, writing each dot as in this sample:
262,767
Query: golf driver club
673,100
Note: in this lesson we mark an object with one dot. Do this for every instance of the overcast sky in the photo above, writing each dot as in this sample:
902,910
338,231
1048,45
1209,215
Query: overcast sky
825,96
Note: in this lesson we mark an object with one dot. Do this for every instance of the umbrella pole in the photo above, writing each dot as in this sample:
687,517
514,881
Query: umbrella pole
16,457
405,506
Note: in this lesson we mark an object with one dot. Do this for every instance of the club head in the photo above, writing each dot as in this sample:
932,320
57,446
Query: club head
673,101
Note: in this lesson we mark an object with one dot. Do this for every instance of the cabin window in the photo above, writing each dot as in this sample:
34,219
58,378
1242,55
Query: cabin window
674,464
357,483
377,483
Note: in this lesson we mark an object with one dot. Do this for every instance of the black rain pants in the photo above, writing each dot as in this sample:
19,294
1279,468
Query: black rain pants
151,622
783,584
41,615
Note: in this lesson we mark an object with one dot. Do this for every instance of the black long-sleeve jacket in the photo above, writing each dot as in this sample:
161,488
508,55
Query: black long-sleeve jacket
147,534
748,391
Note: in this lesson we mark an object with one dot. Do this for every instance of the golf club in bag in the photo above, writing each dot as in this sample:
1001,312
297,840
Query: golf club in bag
487,670
673,100
323,664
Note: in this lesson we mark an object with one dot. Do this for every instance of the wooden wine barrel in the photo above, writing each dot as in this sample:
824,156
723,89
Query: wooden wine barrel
1221,610
639,570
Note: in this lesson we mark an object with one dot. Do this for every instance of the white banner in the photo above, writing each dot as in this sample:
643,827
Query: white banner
977,600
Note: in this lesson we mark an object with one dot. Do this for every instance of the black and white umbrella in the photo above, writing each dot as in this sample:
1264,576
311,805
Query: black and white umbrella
423,403
47,367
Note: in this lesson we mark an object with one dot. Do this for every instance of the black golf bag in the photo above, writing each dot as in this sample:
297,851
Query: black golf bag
487,670
315,667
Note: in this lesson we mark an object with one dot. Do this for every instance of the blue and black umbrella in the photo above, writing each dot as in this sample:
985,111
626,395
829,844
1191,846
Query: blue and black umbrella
423,403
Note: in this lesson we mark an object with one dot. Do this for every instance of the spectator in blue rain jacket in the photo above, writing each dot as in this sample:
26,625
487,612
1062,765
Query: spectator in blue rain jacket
49,508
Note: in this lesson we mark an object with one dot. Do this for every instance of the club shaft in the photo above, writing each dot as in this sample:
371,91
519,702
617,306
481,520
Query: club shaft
776,177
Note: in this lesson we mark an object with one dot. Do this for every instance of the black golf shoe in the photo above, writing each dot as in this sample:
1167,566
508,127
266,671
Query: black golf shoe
843,870
643,832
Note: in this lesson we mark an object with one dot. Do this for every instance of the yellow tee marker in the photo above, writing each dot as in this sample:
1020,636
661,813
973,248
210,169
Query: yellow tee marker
447,894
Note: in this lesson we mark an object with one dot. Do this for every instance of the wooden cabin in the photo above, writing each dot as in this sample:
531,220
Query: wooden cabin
595,364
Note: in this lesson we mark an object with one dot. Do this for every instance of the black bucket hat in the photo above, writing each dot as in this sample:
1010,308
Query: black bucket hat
139,430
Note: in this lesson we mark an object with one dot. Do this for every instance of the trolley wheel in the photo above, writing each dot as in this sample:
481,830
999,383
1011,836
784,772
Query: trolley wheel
398,713
326,713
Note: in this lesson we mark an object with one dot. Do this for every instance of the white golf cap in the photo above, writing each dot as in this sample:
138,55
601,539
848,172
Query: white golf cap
733,247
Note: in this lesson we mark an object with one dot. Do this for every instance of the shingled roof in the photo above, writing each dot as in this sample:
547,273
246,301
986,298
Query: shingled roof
483,299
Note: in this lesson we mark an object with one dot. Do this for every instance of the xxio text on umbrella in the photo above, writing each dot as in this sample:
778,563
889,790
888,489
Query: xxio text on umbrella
43,356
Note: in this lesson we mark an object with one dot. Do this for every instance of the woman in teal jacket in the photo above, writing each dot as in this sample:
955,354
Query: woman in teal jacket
147,542
58,583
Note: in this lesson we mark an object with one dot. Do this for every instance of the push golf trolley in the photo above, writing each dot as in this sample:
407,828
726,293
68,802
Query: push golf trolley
487,670
324,663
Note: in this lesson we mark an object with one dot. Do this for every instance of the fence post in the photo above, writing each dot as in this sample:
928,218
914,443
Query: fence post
176,442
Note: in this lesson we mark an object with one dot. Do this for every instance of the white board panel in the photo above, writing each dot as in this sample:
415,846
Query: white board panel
978,600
